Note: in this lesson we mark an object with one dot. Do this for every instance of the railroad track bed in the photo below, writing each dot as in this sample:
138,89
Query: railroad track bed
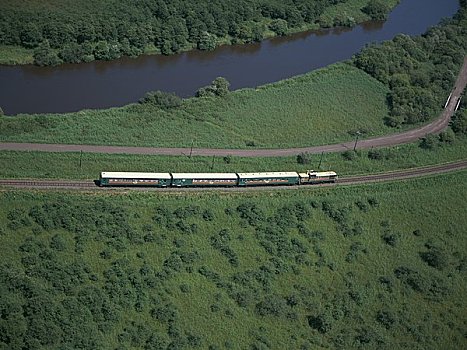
343,180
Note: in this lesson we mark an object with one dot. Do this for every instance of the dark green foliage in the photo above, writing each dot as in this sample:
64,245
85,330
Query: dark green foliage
251,213
386,318
207,41
430,287
272,305
447,137
390,238
279,26
419,71
435,257
459,122
44,55
349,155
322,323
380,154
376,9
219,87
304,158
122,27
429,142
164,100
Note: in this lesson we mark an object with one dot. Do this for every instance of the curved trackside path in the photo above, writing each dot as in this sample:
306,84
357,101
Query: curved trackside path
395,139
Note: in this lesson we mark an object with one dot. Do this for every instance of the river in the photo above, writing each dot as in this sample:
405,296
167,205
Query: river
99,84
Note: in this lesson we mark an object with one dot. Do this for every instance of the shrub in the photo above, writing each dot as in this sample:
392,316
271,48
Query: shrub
303,158
161,99
376,9
429,142
447,136
349,155
386,318
219,87
435,258
321,323
459,122
390,239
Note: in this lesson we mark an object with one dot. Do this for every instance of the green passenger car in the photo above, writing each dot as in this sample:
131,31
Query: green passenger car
135,179
204,179
268,179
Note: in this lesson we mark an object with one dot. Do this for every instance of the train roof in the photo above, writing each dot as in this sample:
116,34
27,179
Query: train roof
275,174
131,175
219,176
319,173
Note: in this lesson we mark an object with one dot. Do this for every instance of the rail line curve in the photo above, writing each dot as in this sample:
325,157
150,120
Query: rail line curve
350,180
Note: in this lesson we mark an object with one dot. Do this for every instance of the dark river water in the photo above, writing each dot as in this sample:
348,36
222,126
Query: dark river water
72,87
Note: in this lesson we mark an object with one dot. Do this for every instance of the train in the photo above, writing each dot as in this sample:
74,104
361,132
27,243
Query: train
110,179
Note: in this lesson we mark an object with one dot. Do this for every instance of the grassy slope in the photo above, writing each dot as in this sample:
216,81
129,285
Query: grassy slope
66,165
313,109
341,280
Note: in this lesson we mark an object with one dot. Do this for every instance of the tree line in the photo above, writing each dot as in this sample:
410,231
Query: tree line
81,32
419,71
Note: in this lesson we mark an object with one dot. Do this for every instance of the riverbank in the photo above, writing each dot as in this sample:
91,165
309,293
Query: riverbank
346,14
321,107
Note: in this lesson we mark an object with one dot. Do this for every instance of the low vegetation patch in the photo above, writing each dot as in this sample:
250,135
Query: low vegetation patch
378,266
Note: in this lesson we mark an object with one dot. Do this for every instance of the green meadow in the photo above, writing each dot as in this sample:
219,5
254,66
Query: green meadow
75,165
317,108
381,266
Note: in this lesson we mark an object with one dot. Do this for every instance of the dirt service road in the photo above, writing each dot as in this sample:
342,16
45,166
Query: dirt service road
391,140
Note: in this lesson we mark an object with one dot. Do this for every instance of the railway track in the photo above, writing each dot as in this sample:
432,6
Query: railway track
343,180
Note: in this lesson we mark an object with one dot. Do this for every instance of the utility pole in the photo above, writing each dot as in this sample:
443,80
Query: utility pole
356,140
320,160
212,164
191,148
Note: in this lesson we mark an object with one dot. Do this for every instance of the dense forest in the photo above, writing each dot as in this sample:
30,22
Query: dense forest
85,30
420,71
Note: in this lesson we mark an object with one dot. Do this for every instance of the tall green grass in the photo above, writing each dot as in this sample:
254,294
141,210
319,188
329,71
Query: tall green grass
12,55
88,165
313,109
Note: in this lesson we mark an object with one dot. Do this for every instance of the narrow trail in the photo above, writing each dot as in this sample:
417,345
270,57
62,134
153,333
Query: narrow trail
345,180
390,140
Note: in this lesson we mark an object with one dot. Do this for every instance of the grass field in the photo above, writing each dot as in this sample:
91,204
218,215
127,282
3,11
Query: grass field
67,165
316,108
12,55
379,266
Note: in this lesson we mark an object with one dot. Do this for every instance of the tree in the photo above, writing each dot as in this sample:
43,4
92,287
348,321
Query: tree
218,87
221,86
207,41
459,122
376,9
304,158
429,142
279,26
161,99
45,56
